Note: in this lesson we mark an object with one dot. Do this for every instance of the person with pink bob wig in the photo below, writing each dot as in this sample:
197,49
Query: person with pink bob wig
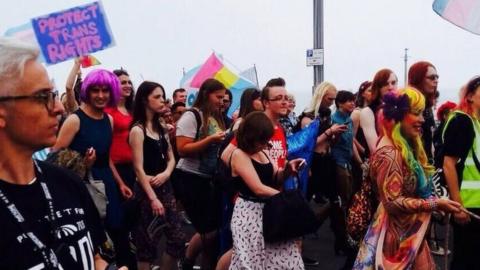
89,131
101,77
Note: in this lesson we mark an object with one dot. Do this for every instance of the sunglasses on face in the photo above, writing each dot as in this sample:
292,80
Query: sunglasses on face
126,82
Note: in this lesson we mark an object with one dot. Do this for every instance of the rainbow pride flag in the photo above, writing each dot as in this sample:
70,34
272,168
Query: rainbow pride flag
215,68
88,61
462,13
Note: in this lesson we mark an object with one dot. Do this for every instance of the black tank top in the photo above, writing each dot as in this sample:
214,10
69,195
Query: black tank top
363,142
155,153
264,172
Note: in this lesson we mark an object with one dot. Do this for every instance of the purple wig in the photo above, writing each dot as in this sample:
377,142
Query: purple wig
101,77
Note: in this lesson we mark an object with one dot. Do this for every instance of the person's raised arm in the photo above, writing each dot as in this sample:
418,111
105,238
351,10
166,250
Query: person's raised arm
71,103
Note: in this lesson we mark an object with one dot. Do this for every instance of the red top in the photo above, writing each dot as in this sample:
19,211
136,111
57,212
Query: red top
120,151
278,152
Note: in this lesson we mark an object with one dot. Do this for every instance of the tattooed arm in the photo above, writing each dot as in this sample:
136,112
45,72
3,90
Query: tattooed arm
387,170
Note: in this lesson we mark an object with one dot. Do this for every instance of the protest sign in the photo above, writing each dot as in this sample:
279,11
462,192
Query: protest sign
73,32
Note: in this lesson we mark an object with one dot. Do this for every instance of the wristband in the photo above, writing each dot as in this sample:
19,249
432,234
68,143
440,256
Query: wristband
432,203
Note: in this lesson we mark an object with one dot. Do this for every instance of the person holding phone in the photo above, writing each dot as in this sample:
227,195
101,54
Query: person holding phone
342,152
259,178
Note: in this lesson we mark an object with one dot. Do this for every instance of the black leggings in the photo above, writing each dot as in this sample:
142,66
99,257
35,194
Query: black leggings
200,200
323,177
123,255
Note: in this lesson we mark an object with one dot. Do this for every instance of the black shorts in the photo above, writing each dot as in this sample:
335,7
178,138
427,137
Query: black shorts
200,200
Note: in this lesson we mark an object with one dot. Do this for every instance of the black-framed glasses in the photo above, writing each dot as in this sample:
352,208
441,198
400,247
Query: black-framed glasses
123,82
432,77
45,96
279,98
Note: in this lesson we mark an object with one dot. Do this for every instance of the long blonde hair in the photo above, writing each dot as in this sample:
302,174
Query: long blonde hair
318,94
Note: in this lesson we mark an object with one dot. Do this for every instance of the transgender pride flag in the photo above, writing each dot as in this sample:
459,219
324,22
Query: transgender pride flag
462,13
215,68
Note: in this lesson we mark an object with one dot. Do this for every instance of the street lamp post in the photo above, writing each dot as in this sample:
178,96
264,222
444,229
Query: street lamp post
317,38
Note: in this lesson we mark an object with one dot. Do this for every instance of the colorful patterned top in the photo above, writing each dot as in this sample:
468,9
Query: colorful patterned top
396,236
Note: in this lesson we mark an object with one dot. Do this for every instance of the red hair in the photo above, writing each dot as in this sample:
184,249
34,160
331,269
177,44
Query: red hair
379,80
417,72
465,92
416,75
447,106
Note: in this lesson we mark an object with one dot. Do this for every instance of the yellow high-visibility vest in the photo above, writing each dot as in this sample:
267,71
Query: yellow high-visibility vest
470,188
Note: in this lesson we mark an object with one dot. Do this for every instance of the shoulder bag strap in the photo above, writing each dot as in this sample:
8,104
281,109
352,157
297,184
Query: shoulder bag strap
198,119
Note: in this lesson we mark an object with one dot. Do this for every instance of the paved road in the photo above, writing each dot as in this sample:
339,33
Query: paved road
319,246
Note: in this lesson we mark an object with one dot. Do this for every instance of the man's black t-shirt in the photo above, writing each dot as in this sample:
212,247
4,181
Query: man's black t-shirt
458,140
80,231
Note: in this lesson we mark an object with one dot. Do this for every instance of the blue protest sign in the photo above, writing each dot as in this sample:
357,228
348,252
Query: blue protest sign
73,32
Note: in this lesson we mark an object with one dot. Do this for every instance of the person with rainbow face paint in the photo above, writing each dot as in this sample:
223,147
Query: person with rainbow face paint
399,168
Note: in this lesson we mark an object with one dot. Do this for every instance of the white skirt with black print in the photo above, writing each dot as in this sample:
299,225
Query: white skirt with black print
250,250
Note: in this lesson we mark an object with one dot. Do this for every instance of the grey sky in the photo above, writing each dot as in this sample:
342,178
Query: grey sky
156,39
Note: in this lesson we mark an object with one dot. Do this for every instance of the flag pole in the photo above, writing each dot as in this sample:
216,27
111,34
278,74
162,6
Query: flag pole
256,74
405,59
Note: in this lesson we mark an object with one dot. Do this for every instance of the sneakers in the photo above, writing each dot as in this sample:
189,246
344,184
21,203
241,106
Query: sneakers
439,251
309,261
436,249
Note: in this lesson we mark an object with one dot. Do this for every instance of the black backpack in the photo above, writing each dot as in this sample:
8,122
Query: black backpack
222,177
